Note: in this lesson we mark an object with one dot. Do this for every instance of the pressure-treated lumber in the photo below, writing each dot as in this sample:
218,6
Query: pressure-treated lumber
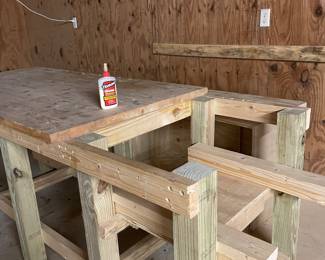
47,161
116,224
53,239
238,245
161,187
143,249
251,107
49,179
196,238
158,221
22,193
202,120
286,208
97,208
239,203
299,183
113,226
254,52
142,124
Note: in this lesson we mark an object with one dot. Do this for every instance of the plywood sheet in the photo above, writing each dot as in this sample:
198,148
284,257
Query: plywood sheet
56,105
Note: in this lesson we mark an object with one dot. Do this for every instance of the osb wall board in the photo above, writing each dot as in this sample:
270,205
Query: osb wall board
121,32
14,44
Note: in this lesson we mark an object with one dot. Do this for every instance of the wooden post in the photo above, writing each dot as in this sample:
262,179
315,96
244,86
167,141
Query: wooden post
126,149
292,125
97,208
202,121
21,187
196,238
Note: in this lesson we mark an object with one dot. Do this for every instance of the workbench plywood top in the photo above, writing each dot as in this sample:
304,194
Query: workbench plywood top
57,105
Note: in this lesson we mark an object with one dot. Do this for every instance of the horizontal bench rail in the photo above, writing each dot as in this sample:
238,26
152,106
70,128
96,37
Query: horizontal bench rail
166,189
299,183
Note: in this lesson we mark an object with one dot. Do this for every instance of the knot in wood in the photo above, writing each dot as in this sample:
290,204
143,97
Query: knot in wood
303,140
18,173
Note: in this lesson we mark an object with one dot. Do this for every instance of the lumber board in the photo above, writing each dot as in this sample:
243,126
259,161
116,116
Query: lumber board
97,208
237,122
299,183
142,124
49,179
196,238
46,161
21,187
158,222
286,208
113,226
56,105
143,249
52,239
141,179
202,120
252,52
252,108
239,203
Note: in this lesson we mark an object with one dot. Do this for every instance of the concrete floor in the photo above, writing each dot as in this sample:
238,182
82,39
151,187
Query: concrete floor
60,209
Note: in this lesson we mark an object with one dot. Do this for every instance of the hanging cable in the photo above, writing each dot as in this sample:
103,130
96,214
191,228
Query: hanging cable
73,20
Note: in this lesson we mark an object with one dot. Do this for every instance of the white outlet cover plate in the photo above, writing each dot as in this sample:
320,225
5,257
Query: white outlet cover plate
265,19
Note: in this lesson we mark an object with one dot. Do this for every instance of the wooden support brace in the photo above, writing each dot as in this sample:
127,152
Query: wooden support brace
161,187
21,187
286,208
196,238
232,244
97,208
298,183
49,179
203,120
121,132
143,249
118,223
251,107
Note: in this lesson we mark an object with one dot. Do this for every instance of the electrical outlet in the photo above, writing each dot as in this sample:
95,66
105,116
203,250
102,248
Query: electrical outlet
265,18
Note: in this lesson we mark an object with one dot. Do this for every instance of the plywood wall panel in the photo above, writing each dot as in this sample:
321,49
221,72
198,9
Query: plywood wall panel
14,41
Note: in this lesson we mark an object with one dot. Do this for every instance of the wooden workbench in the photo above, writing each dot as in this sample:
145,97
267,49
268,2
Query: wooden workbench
56,114
57,105
41,106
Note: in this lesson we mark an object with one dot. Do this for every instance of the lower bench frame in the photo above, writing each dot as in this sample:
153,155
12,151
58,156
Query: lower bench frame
204,110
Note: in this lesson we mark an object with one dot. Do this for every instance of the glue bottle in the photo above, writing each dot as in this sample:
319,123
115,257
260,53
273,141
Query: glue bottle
107,90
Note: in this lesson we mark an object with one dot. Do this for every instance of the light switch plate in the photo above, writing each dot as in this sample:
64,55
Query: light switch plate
265,19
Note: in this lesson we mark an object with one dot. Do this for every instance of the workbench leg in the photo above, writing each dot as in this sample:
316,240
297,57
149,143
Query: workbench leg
126,149
196,238
203,121
23,198
97,207
286,209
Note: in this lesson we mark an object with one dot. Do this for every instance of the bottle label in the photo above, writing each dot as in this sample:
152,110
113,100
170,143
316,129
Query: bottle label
110,95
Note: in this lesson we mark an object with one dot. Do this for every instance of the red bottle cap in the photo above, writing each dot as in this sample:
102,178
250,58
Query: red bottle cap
106,72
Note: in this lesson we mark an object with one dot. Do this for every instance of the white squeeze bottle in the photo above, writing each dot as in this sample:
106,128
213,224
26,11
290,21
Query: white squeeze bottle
107,90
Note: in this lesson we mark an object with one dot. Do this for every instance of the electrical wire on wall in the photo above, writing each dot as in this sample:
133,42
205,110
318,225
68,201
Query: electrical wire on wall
73,20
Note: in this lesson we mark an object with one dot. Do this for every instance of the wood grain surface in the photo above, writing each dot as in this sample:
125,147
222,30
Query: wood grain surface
57,105
123,32
14,40
249,52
